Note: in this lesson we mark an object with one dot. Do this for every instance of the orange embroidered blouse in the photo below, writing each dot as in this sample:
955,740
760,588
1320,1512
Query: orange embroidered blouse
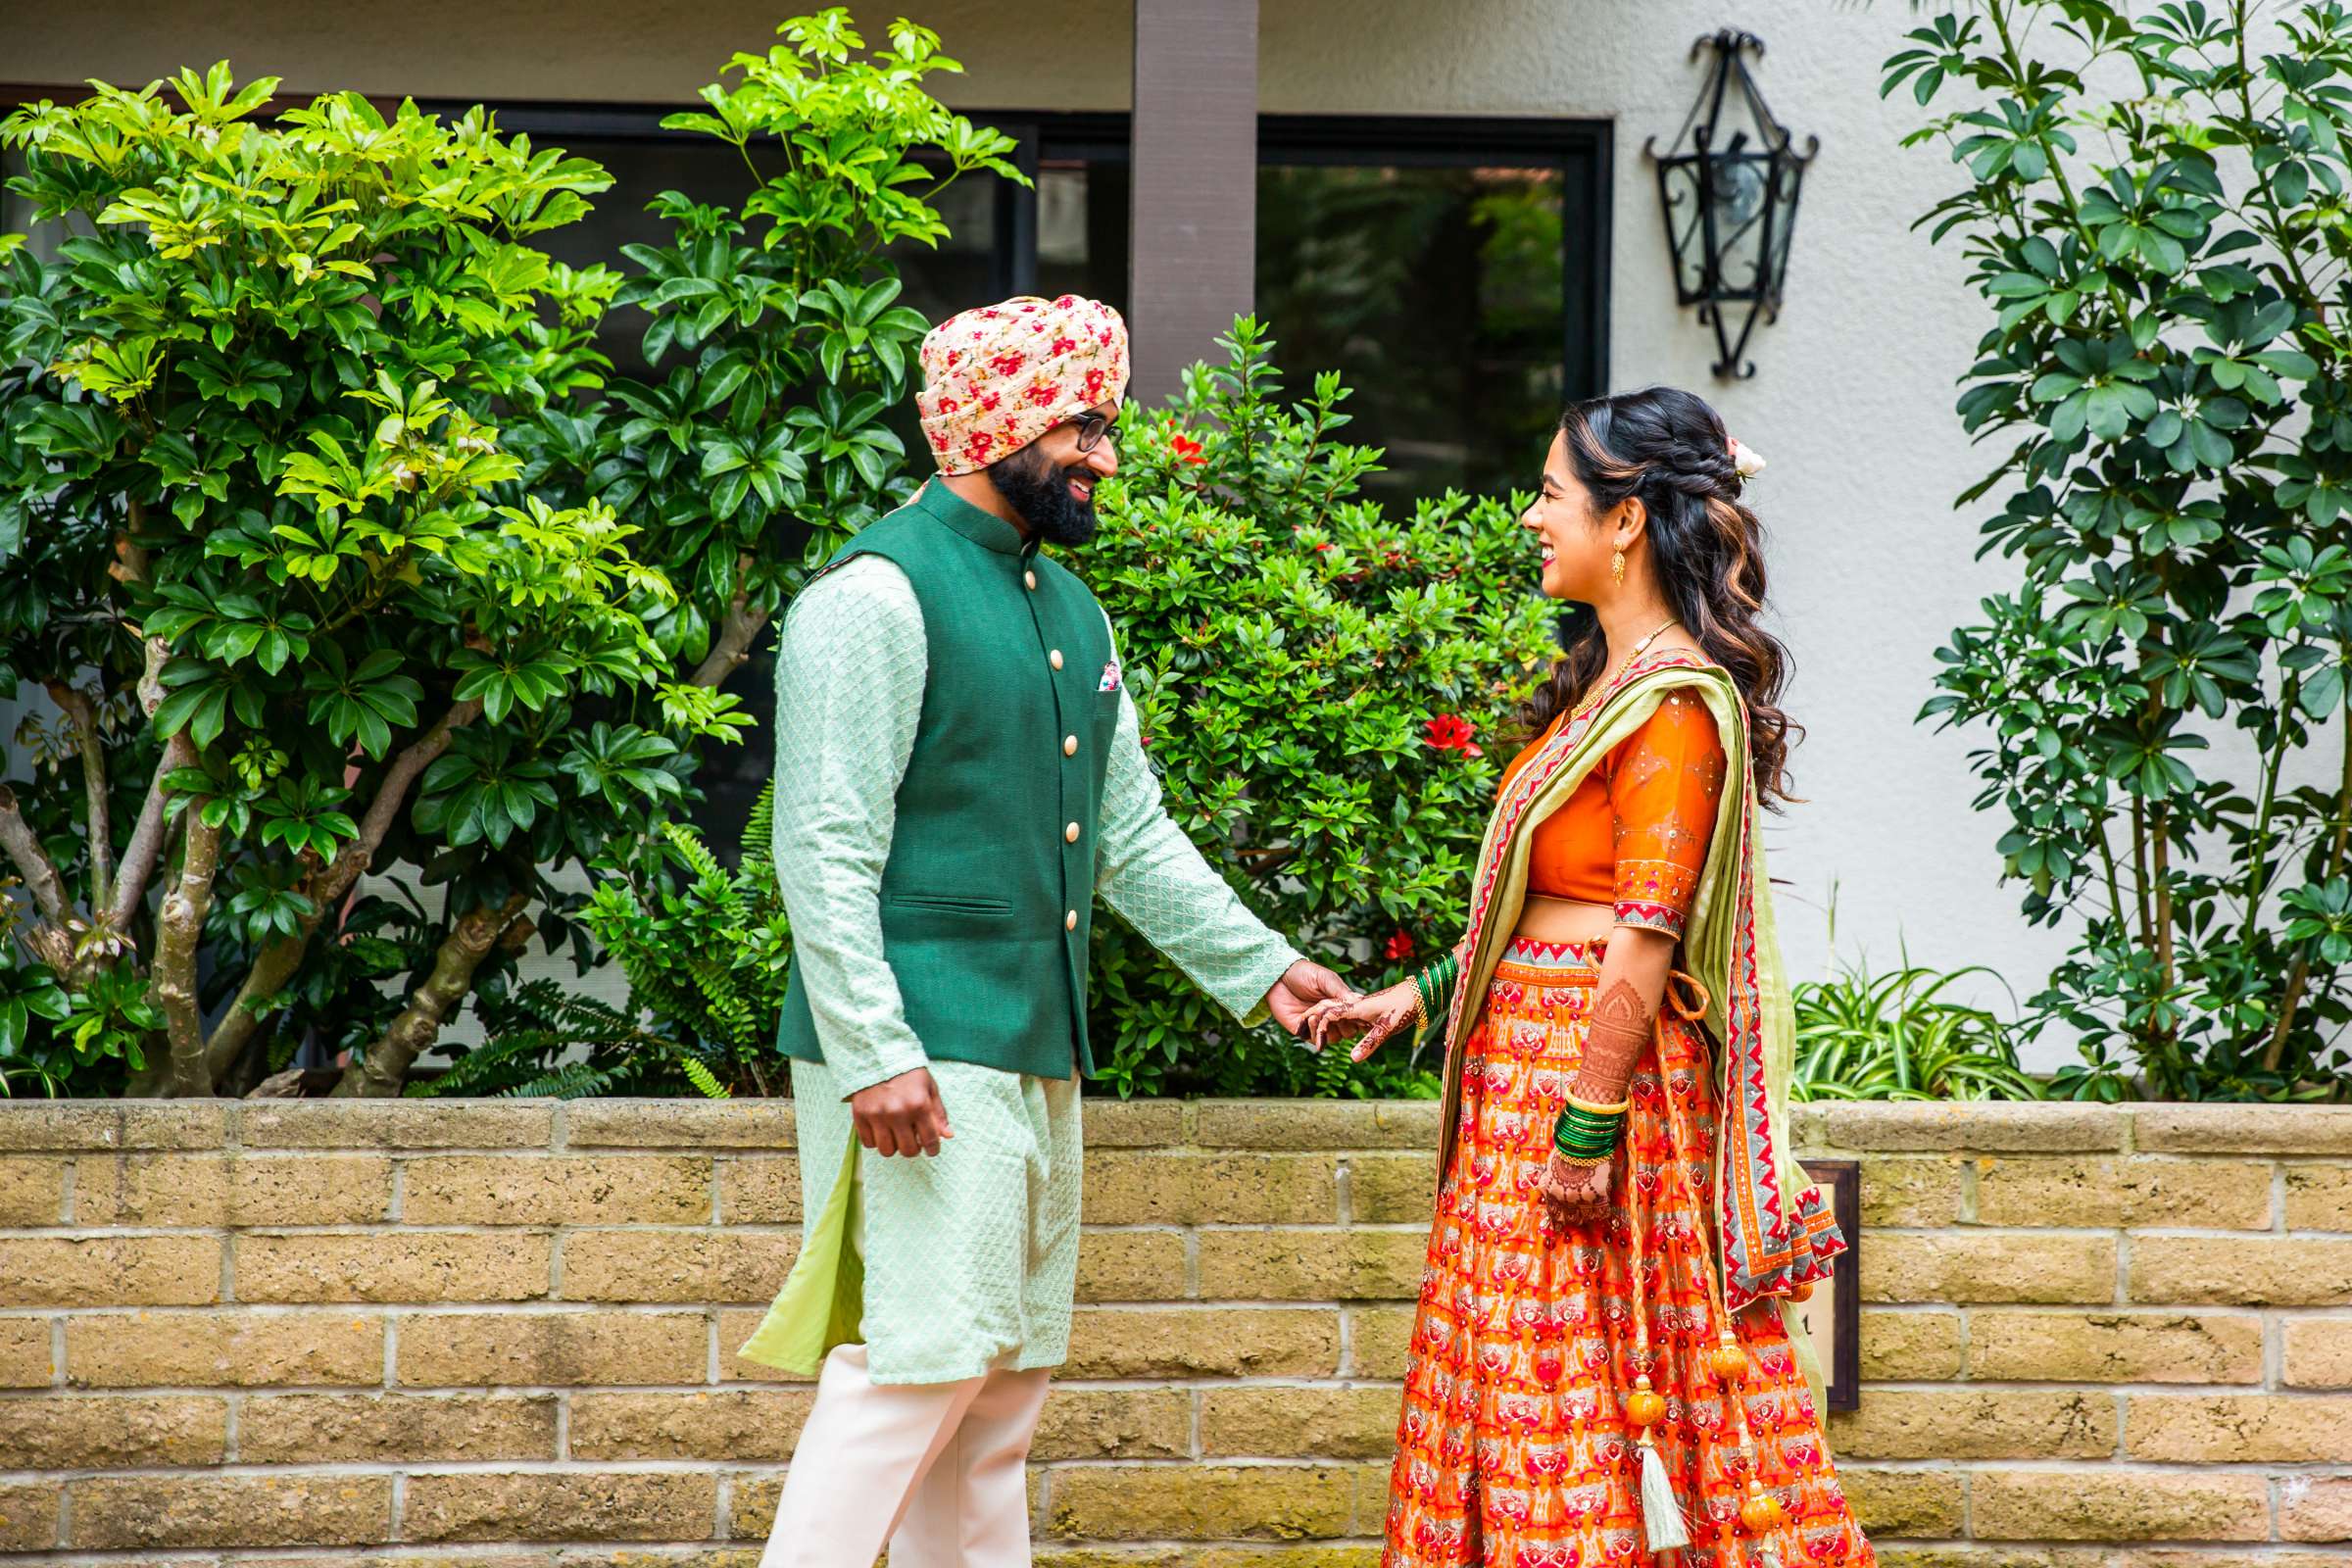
1633,835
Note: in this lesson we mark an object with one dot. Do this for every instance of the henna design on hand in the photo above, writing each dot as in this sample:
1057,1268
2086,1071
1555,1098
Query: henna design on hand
1620,1026
1575,1194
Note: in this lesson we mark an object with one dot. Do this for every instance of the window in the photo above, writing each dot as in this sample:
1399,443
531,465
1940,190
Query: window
1454,270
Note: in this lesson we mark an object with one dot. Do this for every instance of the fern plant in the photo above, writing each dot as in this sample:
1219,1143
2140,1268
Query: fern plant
705,950
544,1043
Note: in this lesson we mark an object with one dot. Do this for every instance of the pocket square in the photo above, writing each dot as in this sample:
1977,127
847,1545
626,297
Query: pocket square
1111,677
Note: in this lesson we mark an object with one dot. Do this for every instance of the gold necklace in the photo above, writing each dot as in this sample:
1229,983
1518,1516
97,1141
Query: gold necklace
1606,687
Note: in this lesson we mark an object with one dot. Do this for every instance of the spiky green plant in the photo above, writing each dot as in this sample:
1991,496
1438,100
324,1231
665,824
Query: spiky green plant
1897,1036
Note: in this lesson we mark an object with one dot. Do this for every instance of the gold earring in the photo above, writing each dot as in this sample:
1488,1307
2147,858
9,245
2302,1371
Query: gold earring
1617,567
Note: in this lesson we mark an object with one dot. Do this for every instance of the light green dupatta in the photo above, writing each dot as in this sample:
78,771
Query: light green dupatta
1775,1232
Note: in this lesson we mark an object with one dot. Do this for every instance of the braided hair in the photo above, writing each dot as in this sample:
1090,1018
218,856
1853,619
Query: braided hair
1669,450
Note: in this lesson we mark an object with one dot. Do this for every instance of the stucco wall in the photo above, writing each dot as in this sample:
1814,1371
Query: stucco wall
1851,403
503,1334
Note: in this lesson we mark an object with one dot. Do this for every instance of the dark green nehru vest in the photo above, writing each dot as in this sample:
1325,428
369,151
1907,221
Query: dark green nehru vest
989,891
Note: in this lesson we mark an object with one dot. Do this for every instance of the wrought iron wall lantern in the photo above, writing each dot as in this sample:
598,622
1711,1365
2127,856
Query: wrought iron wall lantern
1730,187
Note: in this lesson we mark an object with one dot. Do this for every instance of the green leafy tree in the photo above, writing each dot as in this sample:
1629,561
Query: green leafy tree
263,547
763,446
2154,213
1328,691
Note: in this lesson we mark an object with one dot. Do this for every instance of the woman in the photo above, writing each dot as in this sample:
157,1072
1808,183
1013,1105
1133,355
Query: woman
1600,1359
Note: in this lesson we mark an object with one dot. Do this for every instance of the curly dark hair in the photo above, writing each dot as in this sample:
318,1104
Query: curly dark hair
1669,449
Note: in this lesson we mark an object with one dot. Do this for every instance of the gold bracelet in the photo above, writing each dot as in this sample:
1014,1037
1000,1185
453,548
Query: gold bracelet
1420,1006
1581,1161
1590,1108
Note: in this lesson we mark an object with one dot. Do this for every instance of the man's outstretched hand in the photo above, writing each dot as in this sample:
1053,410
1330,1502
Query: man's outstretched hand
1301,986
901,1115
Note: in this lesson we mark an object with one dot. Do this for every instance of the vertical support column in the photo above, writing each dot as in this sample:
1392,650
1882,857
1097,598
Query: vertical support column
1194,228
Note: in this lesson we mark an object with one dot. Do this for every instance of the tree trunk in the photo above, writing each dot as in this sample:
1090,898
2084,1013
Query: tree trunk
75,704
33,862
146,847
277,961
180,932
733,645
384,1071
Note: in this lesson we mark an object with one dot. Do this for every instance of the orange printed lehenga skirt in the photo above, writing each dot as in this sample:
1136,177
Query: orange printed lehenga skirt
1513,1450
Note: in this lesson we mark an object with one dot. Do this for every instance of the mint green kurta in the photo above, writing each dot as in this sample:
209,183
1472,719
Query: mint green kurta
969,1257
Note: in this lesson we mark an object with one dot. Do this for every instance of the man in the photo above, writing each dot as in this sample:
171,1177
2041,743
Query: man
958,773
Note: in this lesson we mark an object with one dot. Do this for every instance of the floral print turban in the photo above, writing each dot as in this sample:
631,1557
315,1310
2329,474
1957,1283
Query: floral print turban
997,379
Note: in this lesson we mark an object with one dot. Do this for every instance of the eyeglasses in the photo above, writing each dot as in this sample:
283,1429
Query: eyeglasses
1091,428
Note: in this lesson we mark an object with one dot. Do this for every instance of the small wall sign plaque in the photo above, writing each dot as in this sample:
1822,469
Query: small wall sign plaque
1833,1315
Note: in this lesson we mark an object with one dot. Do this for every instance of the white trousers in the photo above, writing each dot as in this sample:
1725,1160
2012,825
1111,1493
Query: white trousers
938,1470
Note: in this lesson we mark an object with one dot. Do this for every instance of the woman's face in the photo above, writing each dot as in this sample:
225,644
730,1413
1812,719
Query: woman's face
1576,545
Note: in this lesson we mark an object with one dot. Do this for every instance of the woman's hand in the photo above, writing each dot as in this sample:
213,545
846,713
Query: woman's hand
1374,1017
1575,1194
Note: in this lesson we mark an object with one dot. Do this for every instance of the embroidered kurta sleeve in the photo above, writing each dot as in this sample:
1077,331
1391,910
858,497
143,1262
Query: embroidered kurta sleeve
1664,782
1151,873
850,664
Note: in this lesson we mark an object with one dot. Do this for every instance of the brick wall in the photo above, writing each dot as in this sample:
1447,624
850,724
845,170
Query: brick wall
500,1335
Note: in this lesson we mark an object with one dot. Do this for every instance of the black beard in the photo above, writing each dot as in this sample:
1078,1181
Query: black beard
1040,496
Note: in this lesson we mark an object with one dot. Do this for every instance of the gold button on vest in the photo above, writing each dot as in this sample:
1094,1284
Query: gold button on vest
1054,658
1029,580
1070,833
1069,746
1069,922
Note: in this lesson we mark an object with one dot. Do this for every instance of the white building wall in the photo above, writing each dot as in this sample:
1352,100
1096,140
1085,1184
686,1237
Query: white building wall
1851,401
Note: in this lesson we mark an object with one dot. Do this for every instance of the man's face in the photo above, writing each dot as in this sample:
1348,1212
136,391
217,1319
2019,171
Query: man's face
1050,483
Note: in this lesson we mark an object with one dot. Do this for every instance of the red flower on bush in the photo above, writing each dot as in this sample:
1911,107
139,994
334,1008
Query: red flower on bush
1401,946
1450,732
1185,449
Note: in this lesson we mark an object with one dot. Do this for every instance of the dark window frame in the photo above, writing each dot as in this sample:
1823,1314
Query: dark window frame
1583,150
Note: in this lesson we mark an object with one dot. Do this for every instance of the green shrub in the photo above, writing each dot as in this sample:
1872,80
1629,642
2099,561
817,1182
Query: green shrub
2152,210
1297,654
260,543
310,524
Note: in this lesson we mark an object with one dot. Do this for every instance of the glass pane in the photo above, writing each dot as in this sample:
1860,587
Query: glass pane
41,240
1686,227
1437,293
1082,218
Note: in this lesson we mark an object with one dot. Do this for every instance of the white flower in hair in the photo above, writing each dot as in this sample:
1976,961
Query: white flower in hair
1746,462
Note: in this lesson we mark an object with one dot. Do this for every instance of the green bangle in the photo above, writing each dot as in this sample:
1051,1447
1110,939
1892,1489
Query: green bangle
1584,1150
1435,983
1580,1135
